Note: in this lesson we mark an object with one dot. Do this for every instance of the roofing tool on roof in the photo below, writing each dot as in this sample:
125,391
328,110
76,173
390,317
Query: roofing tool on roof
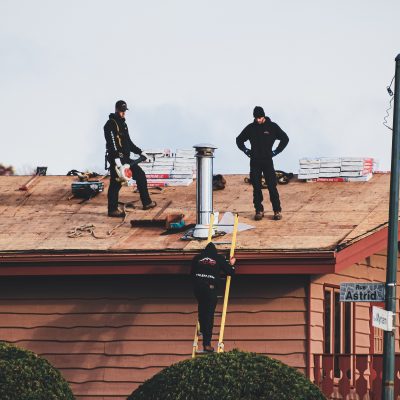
40,171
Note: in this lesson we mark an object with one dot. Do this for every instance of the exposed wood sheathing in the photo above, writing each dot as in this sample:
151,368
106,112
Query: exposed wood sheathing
316,216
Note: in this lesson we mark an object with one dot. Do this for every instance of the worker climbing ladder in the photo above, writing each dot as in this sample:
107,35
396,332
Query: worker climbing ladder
220,348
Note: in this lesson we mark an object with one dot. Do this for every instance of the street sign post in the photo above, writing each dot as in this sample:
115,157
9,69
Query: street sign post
360,291
382,319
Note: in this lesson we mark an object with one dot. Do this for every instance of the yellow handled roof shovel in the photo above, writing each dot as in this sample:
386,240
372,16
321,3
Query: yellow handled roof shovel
226,296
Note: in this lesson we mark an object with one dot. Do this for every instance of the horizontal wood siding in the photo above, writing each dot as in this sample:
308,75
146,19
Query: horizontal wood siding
371,269
108,334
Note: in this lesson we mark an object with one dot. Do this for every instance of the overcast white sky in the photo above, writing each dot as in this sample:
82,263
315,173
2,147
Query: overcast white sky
192,71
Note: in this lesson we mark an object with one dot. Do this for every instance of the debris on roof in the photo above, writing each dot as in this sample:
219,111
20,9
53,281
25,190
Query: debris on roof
337,169
6,171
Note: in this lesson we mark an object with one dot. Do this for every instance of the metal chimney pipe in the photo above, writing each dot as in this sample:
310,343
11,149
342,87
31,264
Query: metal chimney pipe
204,189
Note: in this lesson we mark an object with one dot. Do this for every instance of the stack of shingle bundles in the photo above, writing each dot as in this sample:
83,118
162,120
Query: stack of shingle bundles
344,169
160,169
357,169
185,164
309,168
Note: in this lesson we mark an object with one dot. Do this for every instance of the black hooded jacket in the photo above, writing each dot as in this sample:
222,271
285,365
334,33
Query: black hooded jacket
118,141
207,266
262,138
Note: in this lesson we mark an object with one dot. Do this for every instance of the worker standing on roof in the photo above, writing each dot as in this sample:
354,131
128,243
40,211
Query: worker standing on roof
119,146
206,270
261,134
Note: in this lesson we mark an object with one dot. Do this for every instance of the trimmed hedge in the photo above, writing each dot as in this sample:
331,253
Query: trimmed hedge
26,376
234,375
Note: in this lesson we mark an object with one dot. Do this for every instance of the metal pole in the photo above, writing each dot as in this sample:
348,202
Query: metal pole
391,269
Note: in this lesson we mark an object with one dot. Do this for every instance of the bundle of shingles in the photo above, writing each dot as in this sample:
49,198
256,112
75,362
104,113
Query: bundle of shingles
342,169
165,168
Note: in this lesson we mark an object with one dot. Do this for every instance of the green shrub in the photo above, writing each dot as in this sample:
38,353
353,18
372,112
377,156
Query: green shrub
233,375
26,376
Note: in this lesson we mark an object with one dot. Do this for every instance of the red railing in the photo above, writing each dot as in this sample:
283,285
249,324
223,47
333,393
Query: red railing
352,376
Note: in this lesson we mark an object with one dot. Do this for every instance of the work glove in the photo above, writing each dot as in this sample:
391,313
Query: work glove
141,158
247,152
274,153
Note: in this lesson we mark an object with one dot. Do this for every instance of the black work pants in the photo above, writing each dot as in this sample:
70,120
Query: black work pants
207,299
266,168
138,175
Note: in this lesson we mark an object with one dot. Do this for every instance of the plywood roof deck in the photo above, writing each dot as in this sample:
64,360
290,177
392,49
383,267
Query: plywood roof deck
316,217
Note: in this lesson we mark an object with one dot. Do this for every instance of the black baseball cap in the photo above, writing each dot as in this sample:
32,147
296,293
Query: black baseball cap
121,105
258,112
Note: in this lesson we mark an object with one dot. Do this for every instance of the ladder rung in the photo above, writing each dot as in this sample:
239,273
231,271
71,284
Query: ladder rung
222,242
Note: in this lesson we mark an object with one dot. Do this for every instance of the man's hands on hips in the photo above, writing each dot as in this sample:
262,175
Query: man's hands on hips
247,152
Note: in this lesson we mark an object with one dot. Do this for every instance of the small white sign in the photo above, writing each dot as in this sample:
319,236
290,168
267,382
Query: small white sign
382,319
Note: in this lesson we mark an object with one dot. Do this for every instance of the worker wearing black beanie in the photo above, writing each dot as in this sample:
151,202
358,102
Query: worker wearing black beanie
262,134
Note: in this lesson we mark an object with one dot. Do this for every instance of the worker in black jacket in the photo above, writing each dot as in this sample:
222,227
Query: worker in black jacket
206,271
119,146
262,134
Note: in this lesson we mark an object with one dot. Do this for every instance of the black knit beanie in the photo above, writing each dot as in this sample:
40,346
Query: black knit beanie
258,112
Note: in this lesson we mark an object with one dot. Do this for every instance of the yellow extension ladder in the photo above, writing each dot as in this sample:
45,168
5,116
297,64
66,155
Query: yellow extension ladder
220,348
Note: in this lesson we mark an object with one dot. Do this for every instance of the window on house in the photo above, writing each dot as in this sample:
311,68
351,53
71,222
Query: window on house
338,325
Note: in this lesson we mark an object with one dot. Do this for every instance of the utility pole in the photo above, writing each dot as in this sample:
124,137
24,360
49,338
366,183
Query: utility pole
391,268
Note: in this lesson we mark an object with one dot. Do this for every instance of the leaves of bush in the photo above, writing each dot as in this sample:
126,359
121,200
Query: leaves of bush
233,375
26,376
